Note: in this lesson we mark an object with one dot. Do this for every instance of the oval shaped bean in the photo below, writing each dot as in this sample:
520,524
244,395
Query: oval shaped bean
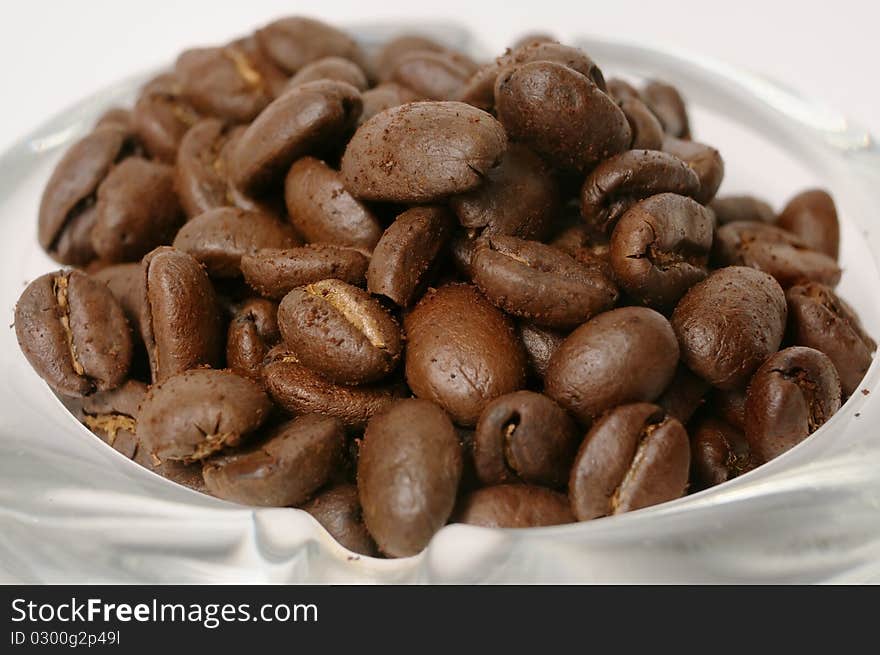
812,216
647,132
515,506
385,96
295,41
161,118
719,452
331,68
253,332
704,160
200,174
338,510
390,52
273,273
731,209
668,105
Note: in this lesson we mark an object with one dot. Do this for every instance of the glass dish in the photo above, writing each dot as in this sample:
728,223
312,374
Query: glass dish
74,510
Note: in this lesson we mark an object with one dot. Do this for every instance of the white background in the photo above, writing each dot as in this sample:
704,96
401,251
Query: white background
54,52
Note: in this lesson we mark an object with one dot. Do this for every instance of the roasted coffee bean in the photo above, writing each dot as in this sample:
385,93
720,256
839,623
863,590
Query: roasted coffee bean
812,216
253,332
331,68
635,456
408,252
300,390
622,356
125,282
161,118
520,197
274,273
431,75
385,96
270,201
73,332
773,250
619,182
219,238
338,510
540,283
390,52
421,152
323,211
180,319
729,323
200,175
310,118
660,249
67,205
462,352
731,209
525,436
479,90
684,395
112,416
560,114
704,160
668,105
819,319
622,90
283,469
117,117
272,77
295,41
222,82
340,331
790,396
514,506
719,452
647,132
540,343
730,405
408,474
137,210
189,416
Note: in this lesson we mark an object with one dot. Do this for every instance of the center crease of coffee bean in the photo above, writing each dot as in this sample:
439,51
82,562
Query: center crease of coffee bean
351,312
61,282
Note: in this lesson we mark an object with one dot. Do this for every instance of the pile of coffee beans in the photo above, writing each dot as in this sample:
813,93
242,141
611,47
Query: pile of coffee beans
401,288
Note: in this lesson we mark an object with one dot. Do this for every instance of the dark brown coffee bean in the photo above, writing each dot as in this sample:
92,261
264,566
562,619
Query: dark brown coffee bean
704,160
461,352
622,356
220,237
331,68
323,211
161,118
668,105
812,216
340,331
622,90
731,209
730,405
774,250
274,273
514,506
540,343
421,152
647,132
270,201
540,283
618,183
634,457
790,396
684,395
390,52
137,210
273,78
112,416
200,174
295,41
281,470
408,474
181,319
125,282
385,96
253,332
660,249
519,197
819,319
310,118
431,75
525,437
719,452
66,208
408,252
338,510
73,332
300,390
729,323
189,416
560,114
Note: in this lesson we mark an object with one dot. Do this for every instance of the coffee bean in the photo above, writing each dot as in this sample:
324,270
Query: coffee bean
619,182
660,249
514,506
684,395
668,105
622,356
272,77
622,90
422,152
790,396
719,452
112,416
540,343
253,331
525,436
331,68
295,41
635,456
283,469
430,74
540,283
385,96
161,118
461,352
180,319
390,52
704,160
73,332
647,132
408,475
220,237
730,405
323,211
338,510
729,323
340,331
408,252
731,209
200,174
117,117
812,216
